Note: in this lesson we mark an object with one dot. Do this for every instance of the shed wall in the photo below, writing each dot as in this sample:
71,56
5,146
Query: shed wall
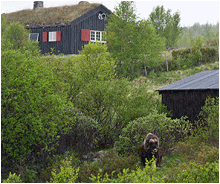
187,103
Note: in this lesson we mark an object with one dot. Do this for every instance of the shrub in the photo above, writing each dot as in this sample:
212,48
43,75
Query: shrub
12,178
67,173
167,130
111,164
93,63
183,53
15,37
86,134
207,154
198,151
208,173
209,54
208,124
114,103
185,58
139,175
30,109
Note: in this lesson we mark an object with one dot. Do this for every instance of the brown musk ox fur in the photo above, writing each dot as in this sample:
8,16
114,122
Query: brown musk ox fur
149,149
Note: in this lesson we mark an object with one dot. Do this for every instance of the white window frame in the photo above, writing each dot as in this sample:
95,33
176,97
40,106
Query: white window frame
94,37
37,40
52,36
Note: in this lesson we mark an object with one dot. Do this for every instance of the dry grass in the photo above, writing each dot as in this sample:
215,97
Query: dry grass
61,14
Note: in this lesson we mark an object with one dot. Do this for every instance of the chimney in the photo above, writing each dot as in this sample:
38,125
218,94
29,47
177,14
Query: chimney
38,4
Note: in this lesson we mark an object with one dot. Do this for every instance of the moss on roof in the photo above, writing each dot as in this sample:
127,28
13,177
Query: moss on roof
52,15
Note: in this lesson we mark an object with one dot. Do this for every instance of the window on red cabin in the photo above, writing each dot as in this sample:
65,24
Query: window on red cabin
85,35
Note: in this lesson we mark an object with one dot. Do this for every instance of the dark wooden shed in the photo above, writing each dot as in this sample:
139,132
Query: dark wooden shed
64,29
187,96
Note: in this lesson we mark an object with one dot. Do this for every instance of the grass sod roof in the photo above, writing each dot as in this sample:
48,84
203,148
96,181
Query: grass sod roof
45,16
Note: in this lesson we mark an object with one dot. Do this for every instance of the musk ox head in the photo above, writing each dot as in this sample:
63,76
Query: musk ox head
151,143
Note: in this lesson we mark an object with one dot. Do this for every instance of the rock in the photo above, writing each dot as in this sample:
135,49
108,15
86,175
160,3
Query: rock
91,156
177,160
84,157
101,154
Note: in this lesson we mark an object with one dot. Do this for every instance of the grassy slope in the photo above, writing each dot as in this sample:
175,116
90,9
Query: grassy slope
154,81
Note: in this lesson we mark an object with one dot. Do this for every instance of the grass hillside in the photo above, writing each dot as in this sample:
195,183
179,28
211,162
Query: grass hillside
157,80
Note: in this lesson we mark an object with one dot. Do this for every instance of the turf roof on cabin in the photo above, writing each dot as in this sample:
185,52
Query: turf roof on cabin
45,16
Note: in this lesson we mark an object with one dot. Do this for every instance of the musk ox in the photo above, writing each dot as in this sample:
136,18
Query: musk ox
149,148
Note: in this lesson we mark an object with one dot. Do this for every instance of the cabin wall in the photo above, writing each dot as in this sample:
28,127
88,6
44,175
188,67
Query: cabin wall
88,21
71,35
56,47
186,103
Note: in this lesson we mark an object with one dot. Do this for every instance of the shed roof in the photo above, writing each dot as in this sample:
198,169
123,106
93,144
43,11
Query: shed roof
54,15
202,80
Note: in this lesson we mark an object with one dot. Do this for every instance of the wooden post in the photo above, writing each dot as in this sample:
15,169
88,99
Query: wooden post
166,61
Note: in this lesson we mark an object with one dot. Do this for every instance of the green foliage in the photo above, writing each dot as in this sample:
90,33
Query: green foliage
208,124
139,175
111,165
3,24
67,173
209,54
166,25
208,33
168,131
185,58
195,173
180,52
15,36
114,103
85,134
31,108
132,43
92,64
12,178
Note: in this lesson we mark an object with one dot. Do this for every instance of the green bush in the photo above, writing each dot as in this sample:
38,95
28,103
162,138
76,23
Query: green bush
16,37
30,109
207,129
168,131
208,173
93,63
207,154
209,54
67,173
86,134
139,175
183,53
12,178
185,58
111,164
114,103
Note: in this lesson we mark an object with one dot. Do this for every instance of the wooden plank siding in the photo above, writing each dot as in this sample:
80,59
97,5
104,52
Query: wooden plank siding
71,34
57,46
87,21
187,102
